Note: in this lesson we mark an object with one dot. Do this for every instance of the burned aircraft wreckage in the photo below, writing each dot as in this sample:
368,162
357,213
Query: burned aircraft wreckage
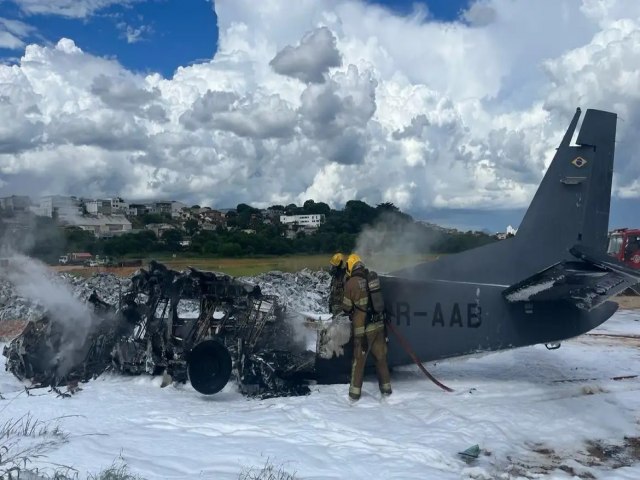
238,331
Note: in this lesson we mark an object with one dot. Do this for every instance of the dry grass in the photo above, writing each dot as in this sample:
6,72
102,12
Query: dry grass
239,267
268,472
26,440
249,266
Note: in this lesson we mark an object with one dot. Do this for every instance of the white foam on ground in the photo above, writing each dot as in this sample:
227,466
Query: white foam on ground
509,403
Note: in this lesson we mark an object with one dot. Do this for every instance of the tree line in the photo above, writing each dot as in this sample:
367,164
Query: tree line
339,232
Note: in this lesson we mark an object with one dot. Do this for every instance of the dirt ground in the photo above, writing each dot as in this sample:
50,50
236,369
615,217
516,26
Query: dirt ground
10,329
89,271
628,302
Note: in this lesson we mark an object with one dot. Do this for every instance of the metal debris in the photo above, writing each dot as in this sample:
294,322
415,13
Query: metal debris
232,329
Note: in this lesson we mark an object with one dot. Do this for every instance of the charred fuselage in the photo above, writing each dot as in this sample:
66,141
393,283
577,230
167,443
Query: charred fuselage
199,326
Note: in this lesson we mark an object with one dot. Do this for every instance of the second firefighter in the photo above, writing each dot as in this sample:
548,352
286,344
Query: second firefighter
365,307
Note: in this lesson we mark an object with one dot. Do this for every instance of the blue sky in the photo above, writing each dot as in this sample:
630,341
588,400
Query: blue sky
152,36
161,35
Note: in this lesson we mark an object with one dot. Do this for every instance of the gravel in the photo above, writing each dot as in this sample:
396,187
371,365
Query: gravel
304,291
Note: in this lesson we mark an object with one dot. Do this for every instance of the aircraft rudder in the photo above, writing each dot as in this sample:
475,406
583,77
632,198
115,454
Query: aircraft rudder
571,205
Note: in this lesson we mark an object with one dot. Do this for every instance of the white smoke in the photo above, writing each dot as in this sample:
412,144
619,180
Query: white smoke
73,318
394,241
19,236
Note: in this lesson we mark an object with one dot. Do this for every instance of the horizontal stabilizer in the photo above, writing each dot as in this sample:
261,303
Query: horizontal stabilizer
586,282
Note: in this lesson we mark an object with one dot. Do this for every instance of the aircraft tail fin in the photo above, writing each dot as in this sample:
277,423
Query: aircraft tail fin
572,203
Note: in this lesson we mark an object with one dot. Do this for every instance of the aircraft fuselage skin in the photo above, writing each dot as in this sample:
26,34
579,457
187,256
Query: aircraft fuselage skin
446,319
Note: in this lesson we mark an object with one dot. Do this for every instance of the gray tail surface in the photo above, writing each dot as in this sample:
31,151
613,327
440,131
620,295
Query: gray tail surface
571,206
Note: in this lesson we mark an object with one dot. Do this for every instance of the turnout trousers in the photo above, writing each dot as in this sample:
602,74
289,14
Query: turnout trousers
369,338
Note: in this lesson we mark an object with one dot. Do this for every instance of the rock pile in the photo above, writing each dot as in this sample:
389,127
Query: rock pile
15,307
305,291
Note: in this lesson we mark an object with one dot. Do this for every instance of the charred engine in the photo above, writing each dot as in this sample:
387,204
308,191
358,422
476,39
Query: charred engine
196,326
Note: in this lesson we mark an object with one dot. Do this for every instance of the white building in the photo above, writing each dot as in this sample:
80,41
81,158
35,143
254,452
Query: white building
92,206
509,233
15,203
307,221
64,208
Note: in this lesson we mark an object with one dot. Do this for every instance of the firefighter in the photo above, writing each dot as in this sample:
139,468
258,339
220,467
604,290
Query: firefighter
367,325
338,272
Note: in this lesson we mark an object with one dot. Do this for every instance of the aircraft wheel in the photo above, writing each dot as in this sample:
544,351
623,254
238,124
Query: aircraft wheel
209,367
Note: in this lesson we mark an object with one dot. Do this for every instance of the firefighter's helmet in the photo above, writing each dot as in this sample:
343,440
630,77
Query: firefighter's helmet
353,261
337,260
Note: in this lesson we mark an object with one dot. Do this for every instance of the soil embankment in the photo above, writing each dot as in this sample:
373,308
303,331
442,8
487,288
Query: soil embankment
628,302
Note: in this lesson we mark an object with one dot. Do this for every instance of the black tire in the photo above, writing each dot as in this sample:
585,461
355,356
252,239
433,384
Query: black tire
209,367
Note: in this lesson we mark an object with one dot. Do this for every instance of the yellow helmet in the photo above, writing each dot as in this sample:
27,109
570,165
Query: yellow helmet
352,261
337,259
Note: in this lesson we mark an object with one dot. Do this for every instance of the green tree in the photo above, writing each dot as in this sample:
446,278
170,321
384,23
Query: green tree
230,250
78,240
192,226
292,209
172,239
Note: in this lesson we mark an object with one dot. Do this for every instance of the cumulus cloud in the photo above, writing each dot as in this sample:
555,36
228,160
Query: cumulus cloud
337,113
362,103
480,14
121,93
311,59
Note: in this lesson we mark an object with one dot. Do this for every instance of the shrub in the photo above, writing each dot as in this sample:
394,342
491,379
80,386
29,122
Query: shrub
268,472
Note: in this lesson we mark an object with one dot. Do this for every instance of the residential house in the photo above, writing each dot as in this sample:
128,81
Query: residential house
136,209
172,208
118,205
65,209
15,203
99,207
161,207
213,216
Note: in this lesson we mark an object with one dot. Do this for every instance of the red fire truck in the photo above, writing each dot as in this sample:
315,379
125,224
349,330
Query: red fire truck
624,244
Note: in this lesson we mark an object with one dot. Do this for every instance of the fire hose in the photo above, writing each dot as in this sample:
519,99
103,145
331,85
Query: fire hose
405,344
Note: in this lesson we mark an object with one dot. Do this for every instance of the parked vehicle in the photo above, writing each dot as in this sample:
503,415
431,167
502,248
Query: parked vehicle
624,244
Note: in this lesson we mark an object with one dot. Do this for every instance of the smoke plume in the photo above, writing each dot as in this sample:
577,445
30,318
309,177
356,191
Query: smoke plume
73,319
394,241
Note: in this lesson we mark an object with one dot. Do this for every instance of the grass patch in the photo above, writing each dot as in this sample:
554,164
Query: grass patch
268,472
244,267
117,471
239,267
25,443
25,440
